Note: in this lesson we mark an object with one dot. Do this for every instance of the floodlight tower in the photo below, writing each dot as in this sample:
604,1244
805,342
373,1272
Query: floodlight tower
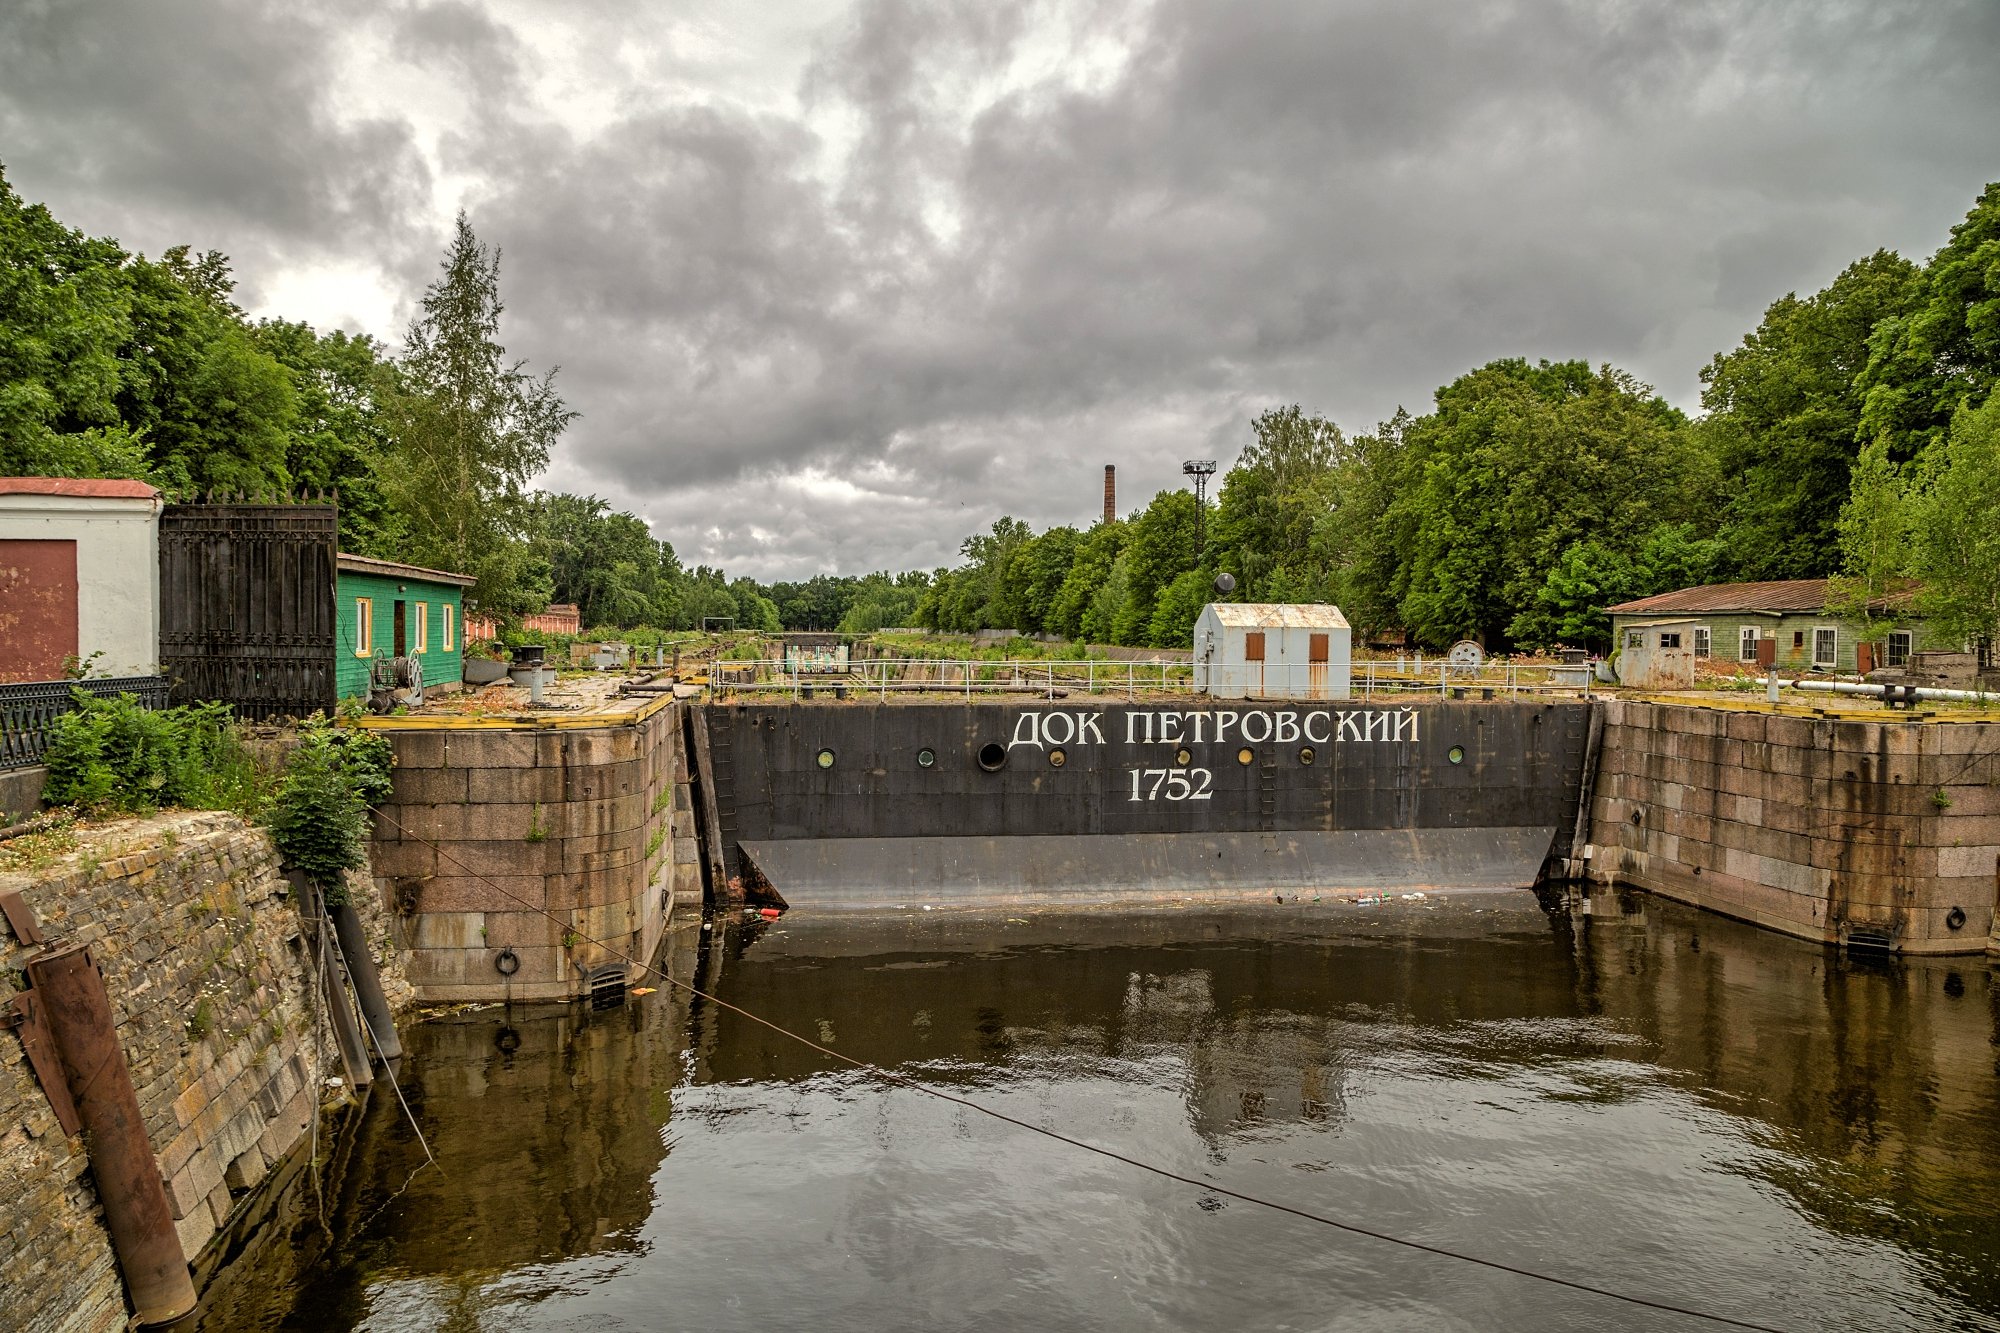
1200,470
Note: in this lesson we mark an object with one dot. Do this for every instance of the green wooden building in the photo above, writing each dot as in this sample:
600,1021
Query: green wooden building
1726,621
385,609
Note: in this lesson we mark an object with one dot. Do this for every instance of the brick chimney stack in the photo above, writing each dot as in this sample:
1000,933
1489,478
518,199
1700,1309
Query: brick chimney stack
1110,493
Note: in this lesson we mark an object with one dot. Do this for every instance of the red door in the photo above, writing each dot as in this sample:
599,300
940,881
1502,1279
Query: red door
37,608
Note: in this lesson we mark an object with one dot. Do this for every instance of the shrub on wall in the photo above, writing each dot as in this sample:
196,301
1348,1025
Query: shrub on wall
116,755
319,817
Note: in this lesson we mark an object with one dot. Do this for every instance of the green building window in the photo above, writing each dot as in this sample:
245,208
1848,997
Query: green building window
364,626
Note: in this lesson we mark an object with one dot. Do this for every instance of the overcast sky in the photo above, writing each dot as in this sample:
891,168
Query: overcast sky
833,283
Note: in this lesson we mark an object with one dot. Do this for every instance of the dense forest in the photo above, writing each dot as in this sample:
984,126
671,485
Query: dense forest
1854,434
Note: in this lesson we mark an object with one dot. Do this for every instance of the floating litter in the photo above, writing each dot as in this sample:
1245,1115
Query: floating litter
644,990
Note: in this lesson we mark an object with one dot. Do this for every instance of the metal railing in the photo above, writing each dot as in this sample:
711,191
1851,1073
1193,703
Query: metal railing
28,711
884,676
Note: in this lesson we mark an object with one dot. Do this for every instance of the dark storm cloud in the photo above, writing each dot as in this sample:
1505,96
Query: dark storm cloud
1339,205
204,123
844,329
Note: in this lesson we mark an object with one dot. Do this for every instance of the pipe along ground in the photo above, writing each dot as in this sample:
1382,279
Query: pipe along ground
136,1212
1873,691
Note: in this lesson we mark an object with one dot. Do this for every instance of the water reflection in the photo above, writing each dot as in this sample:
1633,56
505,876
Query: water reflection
1643,1097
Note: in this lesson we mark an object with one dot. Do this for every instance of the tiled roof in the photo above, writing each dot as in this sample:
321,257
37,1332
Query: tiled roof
88,488
1778,596
389,569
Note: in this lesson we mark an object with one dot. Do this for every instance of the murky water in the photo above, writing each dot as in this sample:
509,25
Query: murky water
1646,1099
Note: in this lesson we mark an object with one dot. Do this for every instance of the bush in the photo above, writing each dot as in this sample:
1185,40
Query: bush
115,754
319,817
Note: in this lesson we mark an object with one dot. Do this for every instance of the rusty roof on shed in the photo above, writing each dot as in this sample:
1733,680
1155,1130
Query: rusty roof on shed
1775,597
88,488
389,569
1279,615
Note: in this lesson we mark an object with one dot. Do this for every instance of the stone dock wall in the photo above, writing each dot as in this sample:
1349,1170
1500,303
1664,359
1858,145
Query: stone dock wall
202,951
1823,828
553,846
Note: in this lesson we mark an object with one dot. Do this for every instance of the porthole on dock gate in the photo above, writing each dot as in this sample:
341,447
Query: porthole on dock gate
993,756
824,759
926,757
1057,758
1456,754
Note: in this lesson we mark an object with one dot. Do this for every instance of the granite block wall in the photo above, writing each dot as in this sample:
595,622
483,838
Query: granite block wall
554,849
1818,827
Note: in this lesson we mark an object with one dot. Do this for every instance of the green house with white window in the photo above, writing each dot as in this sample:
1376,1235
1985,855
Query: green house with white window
385,609
1729,621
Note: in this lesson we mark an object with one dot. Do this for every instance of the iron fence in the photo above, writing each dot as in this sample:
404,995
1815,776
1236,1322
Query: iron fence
1368,679
28,711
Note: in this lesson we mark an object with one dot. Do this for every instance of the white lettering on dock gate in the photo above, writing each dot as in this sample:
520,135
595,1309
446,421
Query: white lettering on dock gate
1256,726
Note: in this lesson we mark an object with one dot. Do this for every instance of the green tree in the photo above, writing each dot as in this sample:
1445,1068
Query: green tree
1159,549
1956,528
607,563
65,316
471,428
1177,607
1591,575
1089,570
1518,463
1270,503
1782,415
1034,574
1943,348
1874,543
339,436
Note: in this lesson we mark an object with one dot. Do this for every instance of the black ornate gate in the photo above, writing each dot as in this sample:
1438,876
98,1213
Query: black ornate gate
246,605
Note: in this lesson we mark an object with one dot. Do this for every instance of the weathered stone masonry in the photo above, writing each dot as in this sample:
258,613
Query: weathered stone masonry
203,955
1818,827
563,841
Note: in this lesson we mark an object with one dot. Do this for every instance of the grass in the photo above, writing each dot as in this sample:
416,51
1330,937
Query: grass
41,849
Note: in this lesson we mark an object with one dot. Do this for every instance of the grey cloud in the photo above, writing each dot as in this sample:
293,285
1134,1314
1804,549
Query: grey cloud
1342,206
208,123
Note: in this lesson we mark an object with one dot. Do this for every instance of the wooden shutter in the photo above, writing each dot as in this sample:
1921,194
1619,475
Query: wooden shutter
1316,648
1253,646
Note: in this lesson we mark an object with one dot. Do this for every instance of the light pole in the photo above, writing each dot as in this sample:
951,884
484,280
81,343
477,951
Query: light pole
1200,470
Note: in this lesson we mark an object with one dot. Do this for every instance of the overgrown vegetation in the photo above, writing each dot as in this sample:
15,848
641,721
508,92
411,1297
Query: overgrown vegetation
319,814
114,755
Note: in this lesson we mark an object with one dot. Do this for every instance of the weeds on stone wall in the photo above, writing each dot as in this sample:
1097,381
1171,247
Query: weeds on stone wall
115,755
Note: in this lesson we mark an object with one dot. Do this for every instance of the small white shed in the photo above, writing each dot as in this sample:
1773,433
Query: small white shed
1258,650
79,577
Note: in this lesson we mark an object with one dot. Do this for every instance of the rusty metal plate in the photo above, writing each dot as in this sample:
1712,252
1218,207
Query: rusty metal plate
20,917
37,608
1142,868
30,1024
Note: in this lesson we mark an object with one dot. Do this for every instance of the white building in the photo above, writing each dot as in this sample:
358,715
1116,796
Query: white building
1250,650
79,576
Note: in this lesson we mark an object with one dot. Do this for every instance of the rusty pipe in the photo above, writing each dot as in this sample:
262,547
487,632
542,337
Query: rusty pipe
136,1213
367,981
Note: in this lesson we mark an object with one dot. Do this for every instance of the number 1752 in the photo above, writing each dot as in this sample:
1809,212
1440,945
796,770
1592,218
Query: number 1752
1173,784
